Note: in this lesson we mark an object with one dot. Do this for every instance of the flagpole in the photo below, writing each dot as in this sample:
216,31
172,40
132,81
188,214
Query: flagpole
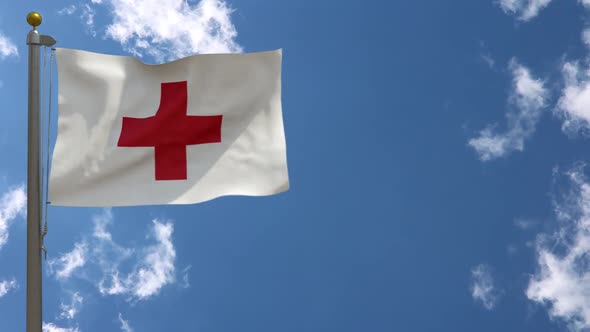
34,291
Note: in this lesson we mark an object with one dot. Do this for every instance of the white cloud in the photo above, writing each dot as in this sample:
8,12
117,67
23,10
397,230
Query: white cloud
511,250
7,47
525,224
167,29
157,268
491,146
50,327
65,265
185,278
113,286
524,9
488,60
125,327
574,103
69,311
154,270
106,252
87,17
69,10
136,273
528,98
12,204
100,226
586,37
482,288
109,255
562,281
6,286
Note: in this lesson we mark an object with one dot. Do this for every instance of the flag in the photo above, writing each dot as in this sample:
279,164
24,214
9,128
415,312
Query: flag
182,132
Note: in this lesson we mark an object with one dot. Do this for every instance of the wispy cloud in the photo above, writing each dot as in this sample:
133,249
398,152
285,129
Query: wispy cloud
525,10
50,327
125,327
157,268
574,103
65,265
87,17
525,224
527,100
485,55
488,60
69,10
6,286
586,37
69,311
85,12
185,278
562,281
109,254
12,204
101,223
7,47
167,29
151,267
154,270
482,287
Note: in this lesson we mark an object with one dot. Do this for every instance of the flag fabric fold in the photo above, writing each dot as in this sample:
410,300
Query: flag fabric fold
182,132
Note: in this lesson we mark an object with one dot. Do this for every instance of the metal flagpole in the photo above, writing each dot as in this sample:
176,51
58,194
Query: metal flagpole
34,304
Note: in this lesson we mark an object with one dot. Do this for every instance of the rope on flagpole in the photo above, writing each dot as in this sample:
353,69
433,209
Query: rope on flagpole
41,137
42,125
46,166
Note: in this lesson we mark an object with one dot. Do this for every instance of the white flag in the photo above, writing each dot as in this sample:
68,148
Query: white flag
177,133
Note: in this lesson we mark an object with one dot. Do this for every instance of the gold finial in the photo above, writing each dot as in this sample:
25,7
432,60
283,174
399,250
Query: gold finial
34,19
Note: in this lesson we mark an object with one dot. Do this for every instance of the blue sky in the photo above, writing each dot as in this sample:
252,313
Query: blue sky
437,156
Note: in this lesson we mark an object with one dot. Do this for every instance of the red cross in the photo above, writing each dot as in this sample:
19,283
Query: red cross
170,131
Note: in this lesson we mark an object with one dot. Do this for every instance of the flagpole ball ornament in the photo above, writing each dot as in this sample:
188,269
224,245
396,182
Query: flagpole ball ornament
34,19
